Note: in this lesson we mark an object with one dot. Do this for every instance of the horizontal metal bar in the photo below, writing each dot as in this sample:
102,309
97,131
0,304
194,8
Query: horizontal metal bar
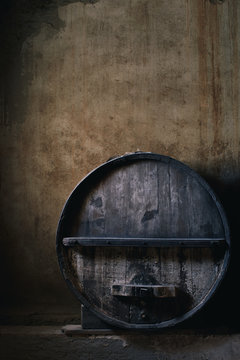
143,242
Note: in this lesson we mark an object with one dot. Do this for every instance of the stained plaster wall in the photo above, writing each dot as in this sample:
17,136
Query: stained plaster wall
82,81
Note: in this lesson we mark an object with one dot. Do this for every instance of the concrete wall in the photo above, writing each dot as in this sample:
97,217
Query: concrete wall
82,81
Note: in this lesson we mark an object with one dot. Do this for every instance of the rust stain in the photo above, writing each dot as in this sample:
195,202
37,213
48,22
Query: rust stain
188,19
210,82
203,80
233,39
216,87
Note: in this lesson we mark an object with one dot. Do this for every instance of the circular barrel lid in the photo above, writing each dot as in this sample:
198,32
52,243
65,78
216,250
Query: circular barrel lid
143,242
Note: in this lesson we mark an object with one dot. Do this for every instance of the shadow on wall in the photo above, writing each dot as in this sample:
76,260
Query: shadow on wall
44,12
20,20
223,309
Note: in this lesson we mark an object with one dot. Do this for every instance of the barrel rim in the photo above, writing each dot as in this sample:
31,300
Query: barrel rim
118,161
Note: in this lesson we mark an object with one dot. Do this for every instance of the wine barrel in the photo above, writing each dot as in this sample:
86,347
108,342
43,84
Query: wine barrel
143,242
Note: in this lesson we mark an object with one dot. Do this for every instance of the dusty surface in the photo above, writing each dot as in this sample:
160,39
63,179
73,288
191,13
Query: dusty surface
81,82
48,343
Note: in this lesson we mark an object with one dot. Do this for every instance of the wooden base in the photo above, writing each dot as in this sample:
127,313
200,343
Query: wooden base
91,325
91,321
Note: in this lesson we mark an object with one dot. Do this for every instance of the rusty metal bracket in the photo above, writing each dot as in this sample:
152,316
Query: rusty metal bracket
159,291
